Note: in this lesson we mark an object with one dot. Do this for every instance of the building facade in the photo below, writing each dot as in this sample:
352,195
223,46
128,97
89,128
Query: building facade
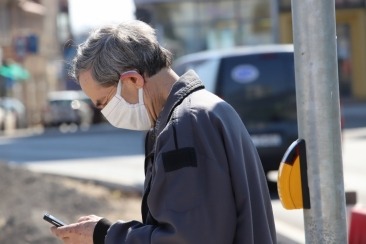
351,44
193,25
29,36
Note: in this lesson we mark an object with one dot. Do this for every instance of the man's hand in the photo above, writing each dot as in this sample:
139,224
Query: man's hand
77,233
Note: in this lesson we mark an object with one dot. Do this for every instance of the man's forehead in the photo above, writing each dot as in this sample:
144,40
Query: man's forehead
86,79
89,85
96,92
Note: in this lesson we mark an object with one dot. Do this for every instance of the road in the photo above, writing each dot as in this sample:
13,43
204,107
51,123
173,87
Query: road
85,152
98,142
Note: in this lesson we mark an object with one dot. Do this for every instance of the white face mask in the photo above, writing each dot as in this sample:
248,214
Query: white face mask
123,115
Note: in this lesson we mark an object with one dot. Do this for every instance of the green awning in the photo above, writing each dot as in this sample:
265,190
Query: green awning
14,72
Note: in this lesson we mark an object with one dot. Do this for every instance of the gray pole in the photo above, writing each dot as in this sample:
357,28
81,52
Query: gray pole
275,21
318,113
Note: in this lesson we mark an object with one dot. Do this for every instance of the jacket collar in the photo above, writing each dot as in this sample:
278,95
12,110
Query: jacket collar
184,86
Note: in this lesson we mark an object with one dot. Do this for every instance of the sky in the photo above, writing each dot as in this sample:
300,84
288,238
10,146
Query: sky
89,14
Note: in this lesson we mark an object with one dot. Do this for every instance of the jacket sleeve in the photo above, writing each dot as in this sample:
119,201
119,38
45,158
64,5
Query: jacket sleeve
129,232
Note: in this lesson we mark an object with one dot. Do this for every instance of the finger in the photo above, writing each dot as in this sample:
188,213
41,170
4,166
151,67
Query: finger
65,231
86,218
83,218
66,240
54,230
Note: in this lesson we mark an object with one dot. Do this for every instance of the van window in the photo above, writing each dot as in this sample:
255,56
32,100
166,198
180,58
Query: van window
261,87
206,69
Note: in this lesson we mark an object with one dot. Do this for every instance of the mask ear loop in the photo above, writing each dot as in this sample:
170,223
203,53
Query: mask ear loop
141,96
140,91
119,88
127,73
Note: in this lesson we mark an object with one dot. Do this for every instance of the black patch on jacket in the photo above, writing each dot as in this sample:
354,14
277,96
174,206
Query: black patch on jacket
180,158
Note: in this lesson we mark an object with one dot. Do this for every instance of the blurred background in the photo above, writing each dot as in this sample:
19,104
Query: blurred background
48,125
38,40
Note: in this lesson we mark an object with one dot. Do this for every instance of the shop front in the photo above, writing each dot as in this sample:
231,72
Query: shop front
194,25
351,44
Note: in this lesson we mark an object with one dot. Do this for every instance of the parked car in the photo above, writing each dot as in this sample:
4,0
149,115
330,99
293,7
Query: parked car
67,107
14,110
259,82
2,119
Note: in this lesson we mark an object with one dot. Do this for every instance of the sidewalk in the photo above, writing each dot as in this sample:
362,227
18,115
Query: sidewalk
116,172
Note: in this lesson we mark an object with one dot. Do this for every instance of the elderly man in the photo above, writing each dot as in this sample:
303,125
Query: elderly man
204,180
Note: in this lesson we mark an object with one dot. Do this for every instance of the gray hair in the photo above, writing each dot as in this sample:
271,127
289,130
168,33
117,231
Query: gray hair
111,50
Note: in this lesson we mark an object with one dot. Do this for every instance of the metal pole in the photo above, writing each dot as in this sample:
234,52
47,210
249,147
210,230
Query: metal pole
275,21
318,113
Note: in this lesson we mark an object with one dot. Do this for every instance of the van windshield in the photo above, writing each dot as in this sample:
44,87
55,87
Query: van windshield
261,87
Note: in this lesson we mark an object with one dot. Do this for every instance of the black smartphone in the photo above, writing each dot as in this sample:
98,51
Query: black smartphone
53,220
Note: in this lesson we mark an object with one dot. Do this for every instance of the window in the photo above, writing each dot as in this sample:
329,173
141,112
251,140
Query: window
260,87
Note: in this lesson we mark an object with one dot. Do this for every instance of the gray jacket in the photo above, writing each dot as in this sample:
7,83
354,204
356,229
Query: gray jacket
204,180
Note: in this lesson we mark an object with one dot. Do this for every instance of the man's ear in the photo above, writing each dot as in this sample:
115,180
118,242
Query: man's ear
135,77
